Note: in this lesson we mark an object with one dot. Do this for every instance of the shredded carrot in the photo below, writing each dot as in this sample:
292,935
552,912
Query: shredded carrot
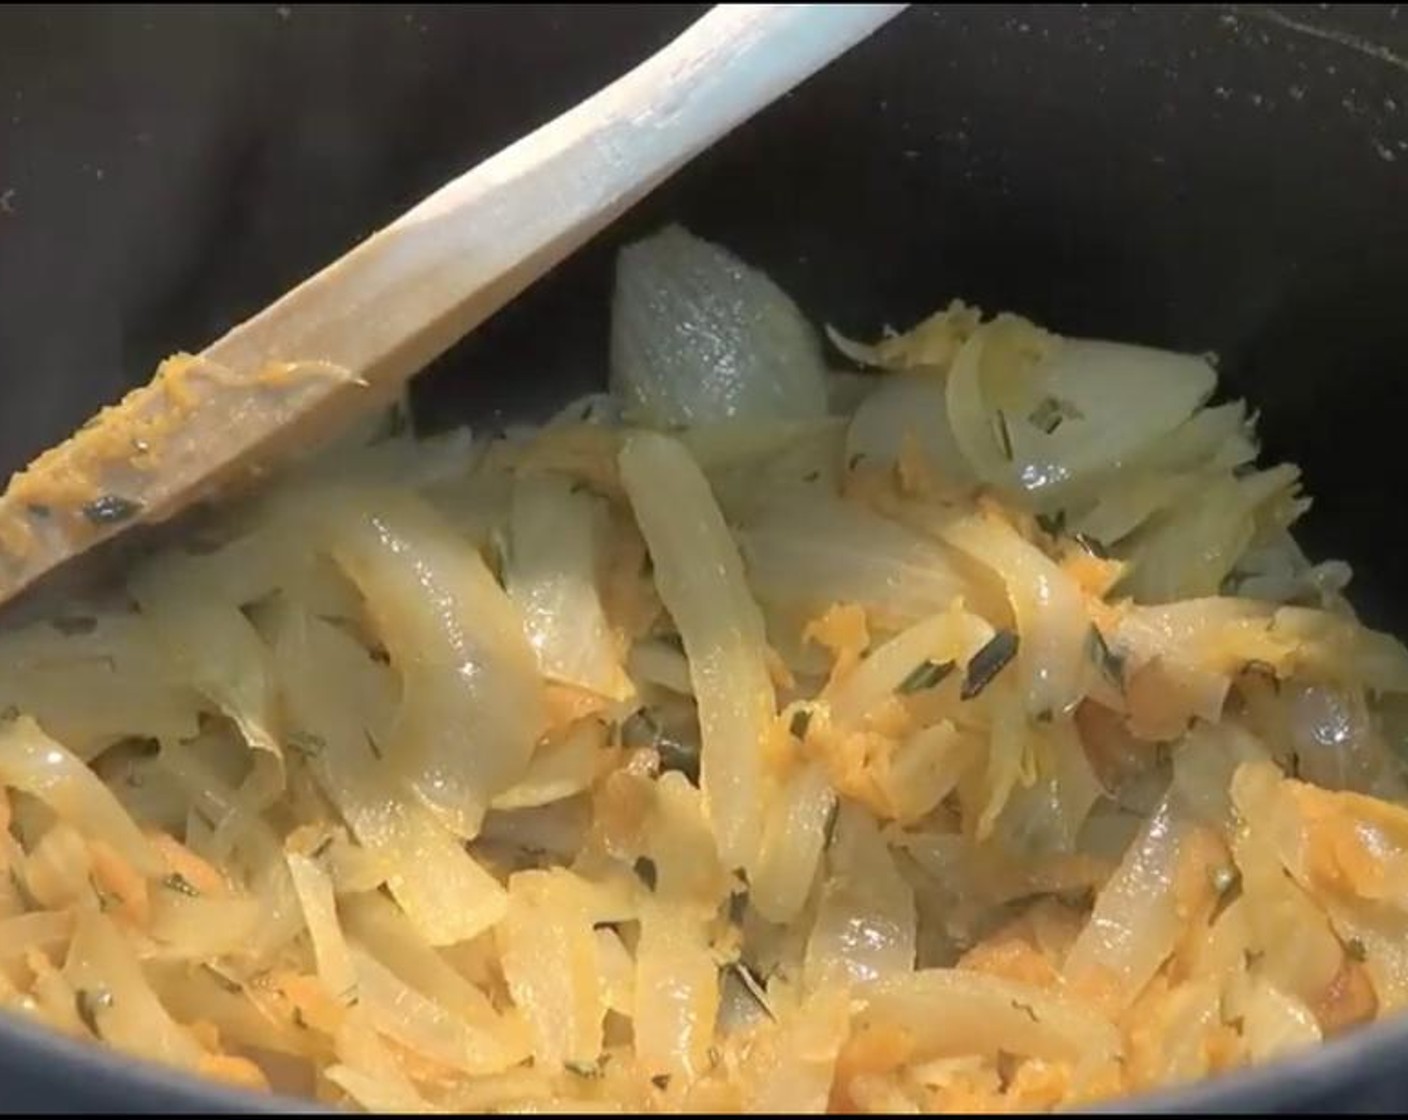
567,705
1348,1001
118,879
180,860
239,1072
875,1048
841,630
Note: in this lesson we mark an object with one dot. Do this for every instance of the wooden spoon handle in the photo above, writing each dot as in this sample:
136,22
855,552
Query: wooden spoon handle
350,336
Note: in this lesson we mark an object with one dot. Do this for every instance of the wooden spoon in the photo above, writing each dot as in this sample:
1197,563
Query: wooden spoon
348,339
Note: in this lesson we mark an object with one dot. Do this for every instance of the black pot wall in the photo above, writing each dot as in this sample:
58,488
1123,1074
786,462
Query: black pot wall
1212,178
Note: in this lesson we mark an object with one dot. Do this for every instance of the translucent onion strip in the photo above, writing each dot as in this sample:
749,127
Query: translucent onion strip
33,762
341,698
472,704
551,576
701,582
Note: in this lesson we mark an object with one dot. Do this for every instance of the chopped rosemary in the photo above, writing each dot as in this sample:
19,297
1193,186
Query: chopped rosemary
679,756
677,752
661,1081
71,626
42,512
801,722
811,476
372,745
228,983
1095,547
646,872
104,899
988,662
1004,436
305,743
640,730
323,845
753,985
111,509
1355,950
180,884
1051,412
1263,669
855,460
1052,524
88,1002
1106,660
1224,878
925,675
589,1070
829,832
1026,1009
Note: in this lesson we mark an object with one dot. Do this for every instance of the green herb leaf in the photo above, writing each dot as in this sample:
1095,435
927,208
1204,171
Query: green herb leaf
1051,412
1004,436
647,872
72,626
305,743
925,675
988,662
1106,660
180,884
1091,545
1224,878
228,983
90,1003
753,985
111,509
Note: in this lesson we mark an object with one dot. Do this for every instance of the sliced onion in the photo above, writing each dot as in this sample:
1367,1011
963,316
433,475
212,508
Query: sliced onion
220,654
953,1012
954,635
1011,380
810,550
424,1027
865,924
676,990
699,336
555,544
472,706
701,582
905,409
1052,621
330,951
34,763
550,962
341,698
1187,553
1136,920
377,924
792,842
107,977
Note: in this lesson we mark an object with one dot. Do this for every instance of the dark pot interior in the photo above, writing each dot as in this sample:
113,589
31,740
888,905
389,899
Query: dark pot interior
1210,178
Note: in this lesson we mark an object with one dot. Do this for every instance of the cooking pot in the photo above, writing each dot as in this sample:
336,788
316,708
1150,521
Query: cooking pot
1211,178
